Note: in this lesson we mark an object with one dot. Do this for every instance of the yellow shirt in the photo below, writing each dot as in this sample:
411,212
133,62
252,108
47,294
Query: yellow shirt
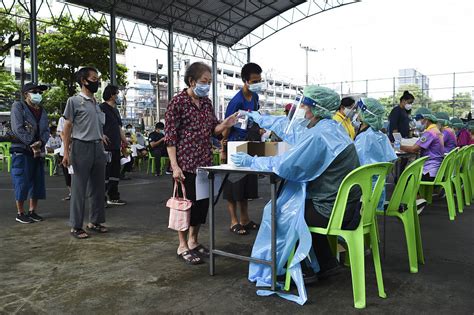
346,123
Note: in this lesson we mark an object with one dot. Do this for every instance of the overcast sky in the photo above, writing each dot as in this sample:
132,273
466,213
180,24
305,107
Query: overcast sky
433,36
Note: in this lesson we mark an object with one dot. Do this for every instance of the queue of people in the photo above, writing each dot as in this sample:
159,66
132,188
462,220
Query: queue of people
329,138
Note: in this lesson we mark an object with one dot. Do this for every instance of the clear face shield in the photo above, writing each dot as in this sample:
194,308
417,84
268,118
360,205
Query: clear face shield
297,112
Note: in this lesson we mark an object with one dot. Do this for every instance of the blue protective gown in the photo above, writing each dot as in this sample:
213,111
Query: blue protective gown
374,147
312,151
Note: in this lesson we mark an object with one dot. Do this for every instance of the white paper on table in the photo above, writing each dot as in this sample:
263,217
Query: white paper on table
397,136
202,184
125,160
409,141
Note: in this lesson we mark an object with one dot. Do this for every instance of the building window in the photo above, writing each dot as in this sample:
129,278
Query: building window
229,86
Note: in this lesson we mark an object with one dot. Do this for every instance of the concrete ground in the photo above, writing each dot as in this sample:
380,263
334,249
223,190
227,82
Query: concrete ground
134,269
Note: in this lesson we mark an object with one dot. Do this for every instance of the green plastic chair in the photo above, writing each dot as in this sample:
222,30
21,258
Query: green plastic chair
443,179
362,177
49,159
465,173
151,165
467,176
404,196
456,179
5,147
164,161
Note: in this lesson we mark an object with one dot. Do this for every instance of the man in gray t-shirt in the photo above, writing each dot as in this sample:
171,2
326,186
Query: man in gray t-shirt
84,127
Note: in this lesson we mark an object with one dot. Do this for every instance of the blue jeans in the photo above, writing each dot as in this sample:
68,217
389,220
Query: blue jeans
28,177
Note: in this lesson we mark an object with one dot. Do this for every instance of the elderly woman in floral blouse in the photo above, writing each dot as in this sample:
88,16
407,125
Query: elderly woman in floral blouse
189,124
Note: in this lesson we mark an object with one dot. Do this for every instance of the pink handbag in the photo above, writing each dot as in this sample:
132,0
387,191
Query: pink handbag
180,210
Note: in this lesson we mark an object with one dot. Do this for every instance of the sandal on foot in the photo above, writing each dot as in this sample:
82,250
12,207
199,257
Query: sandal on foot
99,228
190,257
238,229
201,251
79,234
251,226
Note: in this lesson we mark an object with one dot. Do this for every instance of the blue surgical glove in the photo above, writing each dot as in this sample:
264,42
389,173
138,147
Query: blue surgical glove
255,116
241,159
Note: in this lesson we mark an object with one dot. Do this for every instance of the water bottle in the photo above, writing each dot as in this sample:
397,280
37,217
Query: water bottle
396,146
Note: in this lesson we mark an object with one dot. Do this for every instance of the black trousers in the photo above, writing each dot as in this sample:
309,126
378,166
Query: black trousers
158,154
199,208
112,175
67,176
321,246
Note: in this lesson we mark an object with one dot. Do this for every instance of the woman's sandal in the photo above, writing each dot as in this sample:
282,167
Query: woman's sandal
99,228
190,257
79,234
201,251
251,226
238,229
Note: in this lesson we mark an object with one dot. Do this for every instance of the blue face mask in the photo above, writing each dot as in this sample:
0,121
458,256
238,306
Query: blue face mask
36,98
202,89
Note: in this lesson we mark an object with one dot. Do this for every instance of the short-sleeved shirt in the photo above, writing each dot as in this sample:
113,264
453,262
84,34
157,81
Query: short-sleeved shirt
60,128
399,119
54,142
463,137
346,123
432,146
449,138
156,136
239,102
112,126
189,128
86,116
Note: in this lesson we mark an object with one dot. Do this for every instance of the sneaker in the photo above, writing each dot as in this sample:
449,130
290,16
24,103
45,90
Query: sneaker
116,202
23,218
169,173
68,197
420,205
35,217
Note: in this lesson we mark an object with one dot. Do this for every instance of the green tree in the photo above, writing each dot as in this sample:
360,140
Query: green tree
421,99
54,99
12,30
71,45
8,90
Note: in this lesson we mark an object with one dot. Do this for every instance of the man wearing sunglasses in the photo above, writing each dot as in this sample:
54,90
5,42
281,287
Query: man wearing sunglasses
30,132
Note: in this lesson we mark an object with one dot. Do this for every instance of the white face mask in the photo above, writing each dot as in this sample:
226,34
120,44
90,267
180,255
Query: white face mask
256,87
408,106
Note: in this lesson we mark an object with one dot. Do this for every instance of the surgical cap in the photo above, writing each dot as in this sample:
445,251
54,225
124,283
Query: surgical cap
457,123
374,114
443,118
327,100
470,125
427,114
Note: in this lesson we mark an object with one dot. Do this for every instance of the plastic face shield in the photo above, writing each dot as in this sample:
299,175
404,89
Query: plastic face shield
296,113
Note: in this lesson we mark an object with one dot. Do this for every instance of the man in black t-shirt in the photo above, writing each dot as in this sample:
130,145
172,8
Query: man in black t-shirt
114,137
156,139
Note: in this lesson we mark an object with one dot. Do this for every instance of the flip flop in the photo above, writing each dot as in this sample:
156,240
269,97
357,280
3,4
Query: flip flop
76,233
201,251
238,229
99,228
251,226
190,258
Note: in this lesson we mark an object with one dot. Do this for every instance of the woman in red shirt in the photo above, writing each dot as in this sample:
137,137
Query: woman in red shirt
189,124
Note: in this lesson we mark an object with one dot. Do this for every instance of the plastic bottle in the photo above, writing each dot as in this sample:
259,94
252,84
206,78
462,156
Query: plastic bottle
396,146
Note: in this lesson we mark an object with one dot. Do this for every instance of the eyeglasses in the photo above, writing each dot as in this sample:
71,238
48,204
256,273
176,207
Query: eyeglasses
36,92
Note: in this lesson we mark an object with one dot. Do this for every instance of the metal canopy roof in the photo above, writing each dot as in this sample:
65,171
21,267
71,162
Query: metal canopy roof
228,21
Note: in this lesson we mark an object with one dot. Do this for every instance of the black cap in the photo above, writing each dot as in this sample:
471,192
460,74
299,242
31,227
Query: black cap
32,86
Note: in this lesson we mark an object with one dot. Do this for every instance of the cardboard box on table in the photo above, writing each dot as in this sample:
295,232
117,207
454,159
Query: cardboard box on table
256,148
